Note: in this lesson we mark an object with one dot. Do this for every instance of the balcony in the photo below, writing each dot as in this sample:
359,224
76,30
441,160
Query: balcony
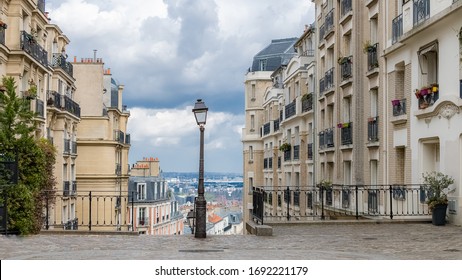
67,147
346,67
346,133
276,125
308,53
118,169
2,34
40,108
322,32
310,151
143,221
119,136
307,103
290,109
373,129
329,23
421,11
59,60
399,107
427,96
74,148
397,29
326,139
329,79
287,155
266,128
296,152
30,46
372,56
53,99
71,106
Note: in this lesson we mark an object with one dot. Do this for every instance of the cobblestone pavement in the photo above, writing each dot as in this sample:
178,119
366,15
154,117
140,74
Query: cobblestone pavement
320,241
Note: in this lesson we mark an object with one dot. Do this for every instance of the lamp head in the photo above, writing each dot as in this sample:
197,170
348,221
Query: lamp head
200,112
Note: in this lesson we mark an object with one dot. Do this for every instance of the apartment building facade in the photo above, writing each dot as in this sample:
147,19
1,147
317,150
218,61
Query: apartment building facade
32,51
102,164
385,111
155,210
258,81
424,92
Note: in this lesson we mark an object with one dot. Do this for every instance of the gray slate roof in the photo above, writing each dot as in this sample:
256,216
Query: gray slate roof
278,53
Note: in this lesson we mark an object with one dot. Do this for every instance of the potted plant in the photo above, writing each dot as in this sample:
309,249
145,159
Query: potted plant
31,93
368,47
437,185
284,147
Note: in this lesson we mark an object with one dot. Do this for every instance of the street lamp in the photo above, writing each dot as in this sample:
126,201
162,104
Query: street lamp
200,112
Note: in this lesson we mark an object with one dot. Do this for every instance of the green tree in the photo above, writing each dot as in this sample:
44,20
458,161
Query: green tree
35,161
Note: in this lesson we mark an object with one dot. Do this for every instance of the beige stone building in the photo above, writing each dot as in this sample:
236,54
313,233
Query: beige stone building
388,86
32,51
102,164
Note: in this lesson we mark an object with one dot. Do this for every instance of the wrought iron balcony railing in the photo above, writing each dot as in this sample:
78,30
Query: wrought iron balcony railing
307,103
291,109
346,67
67,146
71,106
399,107
347,134
59,60
397,29
266,128
421,11
372,57
329,21
29,44
296,149
310,150
39,108
373,129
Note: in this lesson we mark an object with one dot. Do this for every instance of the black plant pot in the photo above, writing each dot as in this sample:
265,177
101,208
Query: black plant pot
439,214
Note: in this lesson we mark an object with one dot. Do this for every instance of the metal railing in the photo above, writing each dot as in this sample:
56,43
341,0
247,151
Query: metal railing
290,109
326,139
329,79
397,28
399,107
329,23
67,147
40,108
30,46
372,57
310,151
346,134
102,210
266,128
346,68
373,129
307,103
421,11
71,106
296,149
59,60
307,203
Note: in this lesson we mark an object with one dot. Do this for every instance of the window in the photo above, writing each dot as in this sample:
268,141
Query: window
252,93
374,103
428,63
142,216
251,153
252,122
141,191
263,64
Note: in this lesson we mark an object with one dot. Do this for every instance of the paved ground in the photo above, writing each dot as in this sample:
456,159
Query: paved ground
326,241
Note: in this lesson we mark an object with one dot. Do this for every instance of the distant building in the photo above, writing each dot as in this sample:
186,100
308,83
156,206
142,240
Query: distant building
155,210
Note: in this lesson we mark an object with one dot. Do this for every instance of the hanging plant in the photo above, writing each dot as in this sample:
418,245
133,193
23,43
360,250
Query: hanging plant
285,147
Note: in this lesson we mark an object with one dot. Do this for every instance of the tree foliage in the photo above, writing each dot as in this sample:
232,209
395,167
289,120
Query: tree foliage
25,200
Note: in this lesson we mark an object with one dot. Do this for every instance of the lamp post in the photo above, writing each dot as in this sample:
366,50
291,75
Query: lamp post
200,112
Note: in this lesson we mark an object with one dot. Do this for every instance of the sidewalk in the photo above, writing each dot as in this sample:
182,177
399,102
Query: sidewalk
320,241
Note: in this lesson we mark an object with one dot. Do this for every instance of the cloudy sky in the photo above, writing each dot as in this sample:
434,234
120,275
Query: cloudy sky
167,54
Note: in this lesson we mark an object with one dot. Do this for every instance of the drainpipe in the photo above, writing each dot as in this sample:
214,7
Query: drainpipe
385,105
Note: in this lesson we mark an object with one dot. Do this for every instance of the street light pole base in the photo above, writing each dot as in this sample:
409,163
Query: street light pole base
201,220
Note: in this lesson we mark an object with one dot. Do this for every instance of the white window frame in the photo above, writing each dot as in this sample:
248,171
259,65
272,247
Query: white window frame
141,191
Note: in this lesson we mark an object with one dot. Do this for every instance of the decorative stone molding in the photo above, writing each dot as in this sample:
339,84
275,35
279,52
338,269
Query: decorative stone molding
448,110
